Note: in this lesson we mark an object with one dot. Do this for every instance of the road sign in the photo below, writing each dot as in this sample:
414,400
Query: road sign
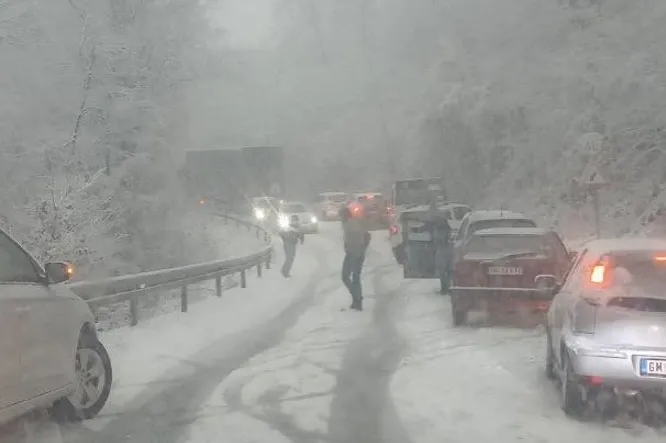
591,177
593,181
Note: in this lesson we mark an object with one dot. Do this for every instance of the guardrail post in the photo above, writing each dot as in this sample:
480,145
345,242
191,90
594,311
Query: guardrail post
243,279
218,286
134,311
183,299
259,269
268,259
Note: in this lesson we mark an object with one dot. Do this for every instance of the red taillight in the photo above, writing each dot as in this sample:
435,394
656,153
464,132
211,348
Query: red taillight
593,380
393,229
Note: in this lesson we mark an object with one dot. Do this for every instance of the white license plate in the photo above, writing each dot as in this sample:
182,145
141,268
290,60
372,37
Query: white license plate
650,367
504,270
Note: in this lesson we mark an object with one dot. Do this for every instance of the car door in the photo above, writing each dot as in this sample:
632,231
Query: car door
11,388
42,363
564,300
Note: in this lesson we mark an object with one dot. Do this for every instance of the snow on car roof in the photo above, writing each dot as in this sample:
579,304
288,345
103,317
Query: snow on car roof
511,231
625,244
498,214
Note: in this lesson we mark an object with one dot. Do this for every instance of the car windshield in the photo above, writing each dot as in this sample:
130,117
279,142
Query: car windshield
335,198
505,244
293,208
263,203
500,223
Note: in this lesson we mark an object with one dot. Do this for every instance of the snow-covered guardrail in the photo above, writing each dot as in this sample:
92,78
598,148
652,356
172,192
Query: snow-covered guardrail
129,288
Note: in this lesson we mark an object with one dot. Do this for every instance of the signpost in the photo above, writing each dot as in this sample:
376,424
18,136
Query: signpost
594,182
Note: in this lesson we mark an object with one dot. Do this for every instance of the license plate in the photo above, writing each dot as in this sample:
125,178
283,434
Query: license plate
650,367
504,270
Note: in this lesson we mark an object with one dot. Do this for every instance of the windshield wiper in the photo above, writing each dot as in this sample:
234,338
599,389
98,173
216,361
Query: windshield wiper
517,255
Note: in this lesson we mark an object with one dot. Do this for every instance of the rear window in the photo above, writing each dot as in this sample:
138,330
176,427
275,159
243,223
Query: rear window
642,273
293,208
509,244
500,223
644,304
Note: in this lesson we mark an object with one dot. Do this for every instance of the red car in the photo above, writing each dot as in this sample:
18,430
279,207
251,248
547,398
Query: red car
497,270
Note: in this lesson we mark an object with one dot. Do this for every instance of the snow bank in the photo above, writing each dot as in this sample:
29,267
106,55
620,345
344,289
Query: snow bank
226,240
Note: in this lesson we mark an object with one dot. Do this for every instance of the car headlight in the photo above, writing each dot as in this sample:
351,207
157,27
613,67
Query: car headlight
260,214
283,221
313,219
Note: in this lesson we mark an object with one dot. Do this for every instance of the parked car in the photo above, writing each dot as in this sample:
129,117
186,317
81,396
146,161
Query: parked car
51,355
606,327
500,270
329,204
477,220
308,221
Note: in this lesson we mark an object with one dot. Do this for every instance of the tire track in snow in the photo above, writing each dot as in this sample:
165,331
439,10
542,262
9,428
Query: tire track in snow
164,415
362,409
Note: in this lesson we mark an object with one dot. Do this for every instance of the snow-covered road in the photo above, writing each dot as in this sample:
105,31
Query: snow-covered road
281,362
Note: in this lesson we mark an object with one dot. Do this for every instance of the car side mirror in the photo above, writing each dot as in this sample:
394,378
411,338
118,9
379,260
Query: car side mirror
58,272
546,282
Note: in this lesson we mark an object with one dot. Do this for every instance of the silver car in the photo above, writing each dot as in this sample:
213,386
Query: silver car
51,356
606,327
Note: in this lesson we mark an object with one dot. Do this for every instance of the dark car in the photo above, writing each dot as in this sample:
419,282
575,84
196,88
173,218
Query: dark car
375,208
497,271
477,220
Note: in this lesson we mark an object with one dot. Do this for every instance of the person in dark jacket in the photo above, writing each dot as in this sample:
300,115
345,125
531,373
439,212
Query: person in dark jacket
290,238
356,239
440,230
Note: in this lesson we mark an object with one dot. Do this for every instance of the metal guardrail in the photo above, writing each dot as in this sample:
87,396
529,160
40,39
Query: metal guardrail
129,288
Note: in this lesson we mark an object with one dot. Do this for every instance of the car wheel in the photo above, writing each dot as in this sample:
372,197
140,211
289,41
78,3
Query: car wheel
550,366
458,313
94,377
571,399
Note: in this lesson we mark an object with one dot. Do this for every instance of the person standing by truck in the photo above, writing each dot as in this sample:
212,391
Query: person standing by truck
356,239
290,238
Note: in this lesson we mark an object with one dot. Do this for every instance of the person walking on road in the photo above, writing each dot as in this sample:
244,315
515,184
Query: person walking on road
356,240
290,237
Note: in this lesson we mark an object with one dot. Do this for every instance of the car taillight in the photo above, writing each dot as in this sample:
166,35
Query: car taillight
598,273
394,229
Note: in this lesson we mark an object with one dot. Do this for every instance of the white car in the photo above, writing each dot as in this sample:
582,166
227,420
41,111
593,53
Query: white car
329,204
264,208
308,222
51,356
